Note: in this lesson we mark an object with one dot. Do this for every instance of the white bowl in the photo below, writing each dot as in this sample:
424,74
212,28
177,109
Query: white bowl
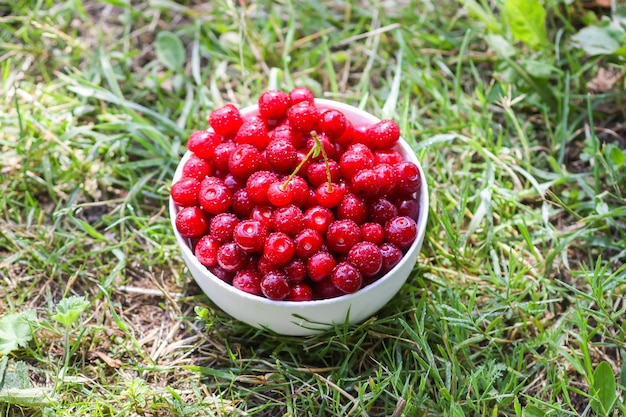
309,317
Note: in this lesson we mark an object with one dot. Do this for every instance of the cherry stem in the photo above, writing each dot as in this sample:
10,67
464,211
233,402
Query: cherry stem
318,144
284,185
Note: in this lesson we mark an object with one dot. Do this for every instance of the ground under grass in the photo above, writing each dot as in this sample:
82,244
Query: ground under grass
515,307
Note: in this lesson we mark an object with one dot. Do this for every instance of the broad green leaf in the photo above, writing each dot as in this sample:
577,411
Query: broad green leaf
617,156
69,309
16,387
15,376
533,411
501,46
170,50
475,9
604,389
15,331
26,397
538,69
599,40
622,375
620,51
527,20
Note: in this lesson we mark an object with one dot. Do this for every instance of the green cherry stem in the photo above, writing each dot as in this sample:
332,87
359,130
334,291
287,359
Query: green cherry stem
319,145
284,185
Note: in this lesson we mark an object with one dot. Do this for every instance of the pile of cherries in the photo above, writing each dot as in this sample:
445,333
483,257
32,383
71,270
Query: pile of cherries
296,203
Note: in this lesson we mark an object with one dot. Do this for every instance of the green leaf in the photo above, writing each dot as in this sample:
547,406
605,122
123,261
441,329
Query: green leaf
501,46
476,10
15,331
15,376
69,309
603,390
170,50
617,156
538,69
316,151
599,40
16,387
533,411
622,375
527,19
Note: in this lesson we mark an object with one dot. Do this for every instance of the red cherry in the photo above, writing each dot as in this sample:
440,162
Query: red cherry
329,195
303,116
248,281
262,214
384,134
381,210
392,255
185,191
273,104
373,232
316,172
328,146
279,248
191,222
244,160
342,235
287,219
233,183
346,277
258,183
253,132
353,161
318,218
222,274
320,266
250,235
281,155
366,183
300,292
308,242
332,123
359,135
275,285
367,258
231,257
242,205
401,231
387,156
325,290
221,227
279,196
226,120
387,177
206,250
352,207
214,197
299,191
303,162
196,167
408,207
409,178
265,164
295,270
264,266
346,137
222,155
285,132
203,143
300,94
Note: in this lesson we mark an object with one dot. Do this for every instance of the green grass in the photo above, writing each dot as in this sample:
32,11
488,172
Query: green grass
518,294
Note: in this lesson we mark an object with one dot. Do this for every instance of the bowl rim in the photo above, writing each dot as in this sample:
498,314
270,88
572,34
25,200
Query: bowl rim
184,243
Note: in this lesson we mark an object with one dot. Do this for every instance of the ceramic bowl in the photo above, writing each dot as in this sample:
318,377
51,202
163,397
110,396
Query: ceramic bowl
309,317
